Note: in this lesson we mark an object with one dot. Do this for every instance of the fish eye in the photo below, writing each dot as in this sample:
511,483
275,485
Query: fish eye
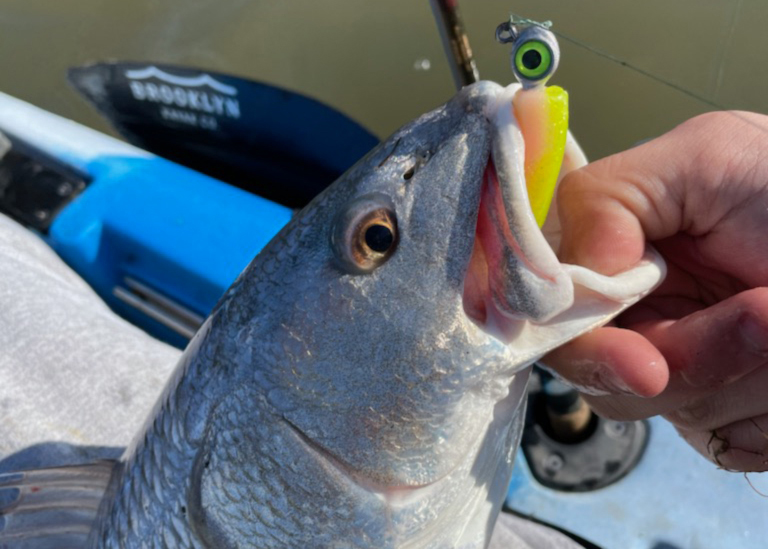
535,56
379,237
364,234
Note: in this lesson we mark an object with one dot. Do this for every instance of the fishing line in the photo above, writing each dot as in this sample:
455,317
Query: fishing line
515,19
659,79
749,481
638,70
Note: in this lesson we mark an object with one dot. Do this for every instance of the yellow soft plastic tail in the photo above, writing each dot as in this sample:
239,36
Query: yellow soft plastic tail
543,117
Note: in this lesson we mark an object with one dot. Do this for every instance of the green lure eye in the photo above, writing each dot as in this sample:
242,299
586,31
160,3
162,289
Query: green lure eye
533,60
535,55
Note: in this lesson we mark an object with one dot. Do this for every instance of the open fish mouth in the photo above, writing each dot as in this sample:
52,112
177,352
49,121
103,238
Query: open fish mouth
514,276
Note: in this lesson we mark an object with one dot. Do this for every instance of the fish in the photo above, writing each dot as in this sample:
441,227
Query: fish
362,382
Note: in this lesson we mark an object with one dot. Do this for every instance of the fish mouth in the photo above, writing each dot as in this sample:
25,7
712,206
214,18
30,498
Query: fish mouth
514,281
514,275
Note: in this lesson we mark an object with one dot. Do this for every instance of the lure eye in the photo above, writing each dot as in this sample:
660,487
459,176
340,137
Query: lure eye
533,60
364,235
535,56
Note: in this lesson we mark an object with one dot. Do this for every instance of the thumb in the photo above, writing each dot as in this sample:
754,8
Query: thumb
609,208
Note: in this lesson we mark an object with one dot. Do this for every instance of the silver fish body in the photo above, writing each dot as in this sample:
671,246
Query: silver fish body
325,408
340,395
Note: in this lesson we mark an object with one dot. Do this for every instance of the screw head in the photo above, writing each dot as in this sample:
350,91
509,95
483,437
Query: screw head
616,429
553,463
64,189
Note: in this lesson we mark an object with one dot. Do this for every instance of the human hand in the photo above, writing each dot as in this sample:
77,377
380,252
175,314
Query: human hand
696,349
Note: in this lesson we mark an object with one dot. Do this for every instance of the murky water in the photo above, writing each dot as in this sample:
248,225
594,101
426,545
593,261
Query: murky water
382,62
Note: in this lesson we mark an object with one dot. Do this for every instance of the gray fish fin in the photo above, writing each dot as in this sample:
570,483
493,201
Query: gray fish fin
51,508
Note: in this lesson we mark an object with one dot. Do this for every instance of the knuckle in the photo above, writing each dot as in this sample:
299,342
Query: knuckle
698,415
740,446
722,452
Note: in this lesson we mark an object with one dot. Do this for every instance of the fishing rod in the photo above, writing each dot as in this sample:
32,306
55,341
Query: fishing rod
455,41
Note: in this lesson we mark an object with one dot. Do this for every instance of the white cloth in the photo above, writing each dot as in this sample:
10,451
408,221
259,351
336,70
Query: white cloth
512,532
70,369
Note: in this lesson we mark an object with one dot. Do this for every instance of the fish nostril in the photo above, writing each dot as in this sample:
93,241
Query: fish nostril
409,173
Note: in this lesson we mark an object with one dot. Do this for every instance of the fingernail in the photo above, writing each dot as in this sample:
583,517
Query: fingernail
612,383
594,378
753,333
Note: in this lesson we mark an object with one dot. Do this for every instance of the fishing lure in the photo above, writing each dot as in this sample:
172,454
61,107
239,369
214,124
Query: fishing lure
534,57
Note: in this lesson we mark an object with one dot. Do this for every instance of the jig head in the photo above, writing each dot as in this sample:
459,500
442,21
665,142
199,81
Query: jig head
535,52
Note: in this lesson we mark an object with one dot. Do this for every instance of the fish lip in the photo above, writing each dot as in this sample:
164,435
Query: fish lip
528,283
